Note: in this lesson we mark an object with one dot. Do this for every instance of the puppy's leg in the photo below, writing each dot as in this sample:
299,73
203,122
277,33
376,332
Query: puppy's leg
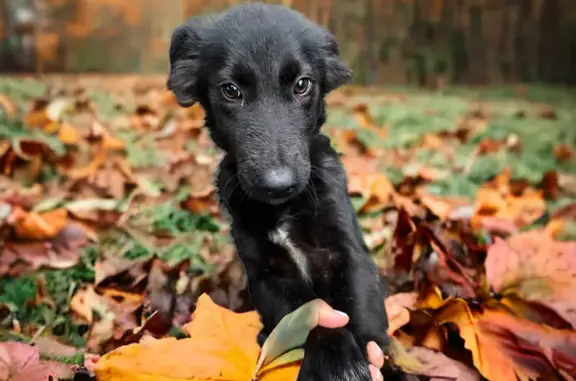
273,297
333,355
358,291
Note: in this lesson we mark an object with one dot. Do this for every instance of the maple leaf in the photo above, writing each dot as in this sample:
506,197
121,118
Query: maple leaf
222,346
535,267
504,346
488,357
527,341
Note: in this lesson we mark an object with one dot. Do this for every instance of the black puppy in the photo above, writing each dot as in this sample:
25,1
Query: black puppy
261,73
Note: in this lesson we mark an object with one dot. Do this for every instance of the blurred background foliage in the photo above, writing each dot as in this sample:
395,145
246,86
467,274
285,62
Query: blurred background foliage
421,42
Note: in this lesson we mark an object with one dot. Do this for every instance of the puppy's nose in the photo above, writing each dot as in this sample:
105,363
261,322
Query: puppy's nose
279,182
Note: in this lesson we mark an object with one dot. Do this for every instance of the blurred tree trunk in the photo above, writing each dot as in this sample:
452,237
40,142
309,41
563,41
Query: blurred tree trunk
17,50
421,42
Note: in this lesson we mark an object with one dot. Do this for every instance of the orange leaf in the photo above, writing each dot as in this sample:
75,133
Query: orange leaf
520,338
487,352
363,117
67,134
536,268
222,346
40,226
499,202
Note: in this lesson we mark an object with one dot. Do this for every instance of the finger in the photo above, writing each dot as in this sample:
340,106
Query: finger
375,355
375,373
329,317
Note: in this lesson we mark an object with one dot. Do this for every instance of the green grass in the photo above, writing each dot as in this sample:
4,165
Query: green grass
426,112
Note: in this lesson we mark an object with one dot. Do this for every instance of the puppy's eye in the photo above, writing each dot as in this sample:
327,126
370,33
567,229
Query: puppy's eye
231,92
302,86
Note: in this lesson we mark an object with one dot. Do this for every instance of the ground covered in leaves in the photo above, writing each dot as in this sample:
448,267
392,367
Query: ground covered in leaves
110,232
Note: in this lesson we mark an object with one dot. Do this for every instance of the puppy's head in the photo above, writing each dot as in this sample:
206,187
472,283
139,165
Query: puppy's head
261,73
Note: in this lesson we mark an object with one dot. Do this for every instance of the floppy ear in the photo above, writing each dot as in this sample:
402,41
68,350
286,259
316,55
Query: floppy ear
185,60
337,73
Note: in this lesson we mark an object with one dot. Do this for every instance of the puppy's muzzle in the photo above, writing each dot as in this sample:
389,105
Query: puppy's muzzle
279,182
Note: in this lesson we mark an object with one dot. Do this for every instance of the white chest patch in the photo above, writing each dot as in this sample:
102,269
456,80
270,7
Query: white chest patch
280,237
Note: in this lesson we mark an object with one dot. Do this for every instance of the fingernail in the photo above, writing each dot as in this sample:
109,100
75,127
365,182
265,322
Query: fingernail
341,313
376,348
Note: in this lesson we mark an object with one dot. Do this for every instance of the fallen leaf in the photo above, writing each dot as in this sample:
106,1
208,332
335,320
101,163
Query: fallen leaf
439,367
67,134
21,362
563,152
488,355
502,204
222,345
398,309
536,268
39,226
62,251
522,338
444,207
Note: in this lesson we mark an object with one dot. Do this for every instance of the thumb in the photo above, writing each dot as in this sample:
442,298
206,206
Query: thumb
329,317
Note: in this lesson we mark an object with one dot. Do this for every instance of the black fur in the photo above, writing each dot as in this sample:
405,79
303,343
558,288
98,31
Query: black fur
263,50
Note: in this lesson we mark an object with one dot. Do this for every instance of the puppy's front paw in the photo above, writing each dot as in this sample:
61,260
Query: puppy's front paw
333,355
262,337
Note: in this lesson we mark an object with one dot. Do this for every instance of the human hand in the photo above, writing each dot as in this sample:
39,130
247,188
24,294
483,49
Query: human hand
331,318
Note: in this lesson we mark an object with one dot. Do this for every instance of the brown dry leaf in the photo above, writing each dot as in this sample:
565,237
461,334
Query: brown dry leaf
109,312
202,201
362,116
88,170
536,268
417,250
121,272
563,152
107,141
445,207
363,179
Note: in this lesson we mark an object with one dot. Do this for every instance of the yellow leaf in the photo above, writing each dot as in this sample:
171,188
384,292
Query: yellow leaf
222,347
67,134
